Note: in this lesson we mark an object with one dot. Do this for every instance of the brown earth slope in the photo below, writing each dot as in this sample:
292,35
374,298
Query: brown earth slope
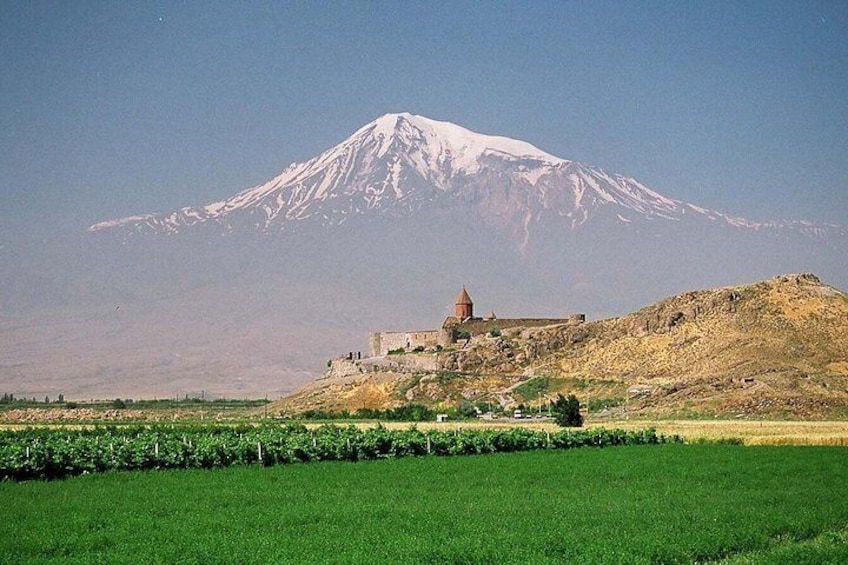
777,348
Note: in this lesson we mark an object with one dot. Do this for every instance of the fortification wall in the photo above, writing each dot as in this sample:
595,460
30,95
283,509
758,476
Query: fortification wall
381,343
417,361
375,344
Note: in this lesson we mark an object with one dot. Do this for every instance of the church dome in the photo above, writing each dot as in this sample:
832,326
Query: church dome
463,298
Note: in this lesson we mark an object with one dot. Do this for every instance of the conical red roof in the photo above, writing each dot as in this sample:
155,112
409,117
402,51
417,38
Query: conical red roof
463,298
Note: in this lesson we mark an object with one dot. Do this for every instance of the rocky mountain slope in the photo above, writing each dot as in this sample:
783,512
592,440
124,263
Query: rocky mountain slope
774,348
400,164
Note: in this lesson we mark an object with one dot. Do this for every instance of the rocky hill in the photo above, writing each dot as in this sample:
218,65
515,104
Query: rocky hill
777,348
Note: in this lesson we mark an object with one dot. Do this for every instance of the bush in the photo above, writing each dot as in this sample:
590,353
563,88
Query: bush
461,334
495,332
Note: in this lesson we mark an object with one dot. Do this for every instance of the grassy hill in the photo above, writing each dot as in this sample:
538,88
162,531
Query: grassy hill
777,348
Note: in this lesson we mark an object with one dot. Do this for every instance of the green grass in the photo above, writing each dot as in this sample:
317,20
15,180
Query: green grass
530,389
640,504
598,404
828,548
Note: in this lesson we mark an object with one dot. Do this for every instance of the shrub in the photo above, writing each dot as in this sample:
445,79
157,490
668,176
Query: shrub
461,334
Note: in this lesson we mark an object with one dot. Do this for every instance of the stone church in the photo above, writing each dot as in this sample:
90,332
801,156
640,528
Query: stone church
460,327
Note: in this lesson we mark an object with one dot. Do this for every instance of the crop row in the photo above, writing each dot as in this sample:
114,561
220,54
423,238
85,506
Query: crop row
56,453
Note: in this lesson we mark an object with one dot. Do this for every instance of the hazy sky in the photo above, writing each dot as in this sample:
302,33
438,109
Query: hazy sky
115,108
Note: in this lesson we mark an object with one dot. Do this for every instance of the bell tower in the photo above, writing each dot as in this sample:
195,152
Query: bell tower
464,306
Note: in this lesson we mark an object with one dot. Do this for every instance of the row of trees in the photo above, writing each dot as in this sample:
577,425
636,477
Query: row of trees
9,398
564,410
412,412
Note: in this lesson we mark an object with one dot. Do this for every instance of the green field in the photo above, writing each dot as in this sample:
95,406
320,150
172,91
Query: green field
631,504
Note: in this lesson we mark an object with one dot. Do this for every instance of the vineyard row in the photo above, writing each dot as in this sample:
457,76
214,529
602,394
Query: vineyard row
58,453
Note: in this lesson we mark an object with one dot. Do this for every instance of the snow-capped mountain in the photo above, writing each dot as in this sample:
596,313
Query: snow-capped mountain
401,163
378,232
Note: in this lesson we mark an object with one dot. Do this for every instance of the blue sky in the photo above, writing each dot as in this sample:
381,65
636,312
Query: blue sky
111,108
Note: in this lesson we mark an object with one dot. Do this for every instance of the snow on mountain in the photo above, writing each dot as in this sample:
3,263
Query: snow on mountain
379,232
400,163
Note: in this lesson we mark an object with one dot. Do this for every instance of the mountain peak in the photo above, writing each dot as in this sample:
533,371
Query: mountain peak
387,124
402,163
446,141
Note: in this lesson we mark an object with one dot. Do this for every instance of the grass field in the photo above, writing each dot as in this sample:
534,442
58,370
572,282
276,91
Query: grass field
751,432
641,504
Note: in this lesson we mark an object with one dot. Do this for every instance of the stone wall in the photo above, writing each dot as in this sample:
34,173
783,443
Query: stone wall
417,361
381,343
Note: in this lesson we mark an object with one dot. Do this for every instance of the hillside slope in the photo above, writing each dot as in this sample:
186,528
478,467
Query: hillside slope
777,348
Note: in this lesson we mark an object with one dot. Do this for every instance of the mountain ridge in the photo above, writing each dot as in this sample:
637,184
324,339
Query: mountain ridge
402,163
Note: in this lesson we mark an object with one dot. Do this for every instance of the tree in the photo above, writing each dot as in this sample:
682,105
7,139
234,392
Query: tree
567,411
466,410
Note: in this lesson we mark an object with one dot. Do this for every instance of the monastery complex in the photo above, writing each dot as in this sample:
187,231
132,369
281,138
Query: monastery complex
460,327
